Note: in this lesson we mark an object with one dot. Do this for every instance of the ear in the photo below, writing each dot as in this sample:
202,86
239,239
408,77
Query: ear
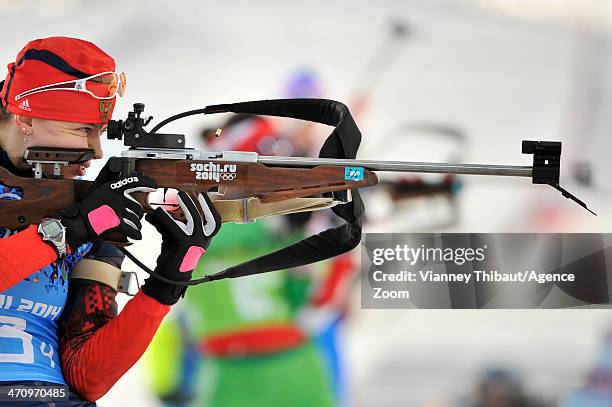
23,122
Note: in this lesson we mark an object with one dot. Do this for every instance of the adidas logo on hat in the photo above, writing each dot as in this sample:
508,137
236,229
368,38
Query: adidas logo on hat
25,105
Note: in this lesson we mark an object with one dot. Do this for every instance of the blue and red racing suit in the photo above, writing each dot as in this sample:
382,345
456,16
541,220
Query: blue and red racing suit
29,313
53,330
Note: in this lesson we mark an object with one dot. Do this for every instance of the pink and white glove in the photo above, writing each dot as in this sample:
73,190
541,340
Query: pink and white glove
182,246
107,209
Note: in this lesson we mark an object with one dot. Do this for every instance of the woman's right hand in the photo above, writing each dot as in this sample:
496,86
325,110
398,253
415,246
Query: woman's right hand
107,209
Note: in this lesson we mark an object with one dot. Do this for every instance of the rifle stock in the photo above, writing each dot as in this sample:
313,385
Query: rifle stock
42,197
270,184
46,197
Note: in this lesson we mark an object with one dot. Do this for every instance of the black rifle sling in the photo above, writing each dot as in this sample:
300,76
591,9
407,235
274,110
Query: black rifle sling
343,142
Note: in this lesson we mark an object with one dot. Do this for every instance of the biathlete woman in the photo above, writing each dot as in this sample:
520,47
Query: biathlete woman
58,279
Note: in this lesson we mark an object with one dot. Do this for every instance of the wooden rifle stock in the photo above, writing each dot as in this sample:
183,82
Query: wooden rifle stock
47,197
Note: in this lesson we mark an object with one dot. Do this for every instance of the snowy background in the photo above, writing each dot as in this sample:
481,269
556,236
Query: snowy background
502,71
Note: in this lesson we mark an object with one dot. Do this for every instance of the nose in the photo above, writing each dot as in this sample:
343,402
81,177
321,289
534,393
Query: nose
95,143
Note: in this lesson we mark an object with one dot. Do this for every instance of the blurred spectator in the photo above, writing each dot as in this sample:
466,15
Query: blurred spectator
597,390
500,387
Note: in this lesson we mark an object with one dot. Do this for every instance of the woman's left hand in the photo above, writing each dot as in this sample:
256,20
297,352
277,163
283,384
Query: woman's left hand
183,245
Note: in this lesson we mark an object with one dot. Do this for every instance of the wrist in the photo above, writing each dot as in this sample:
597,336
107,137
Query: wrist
164,293
53,232
76,230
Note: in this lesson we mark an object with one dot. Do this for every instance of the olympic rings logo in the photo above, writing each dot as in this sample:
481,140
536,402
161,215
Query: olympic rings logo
227,176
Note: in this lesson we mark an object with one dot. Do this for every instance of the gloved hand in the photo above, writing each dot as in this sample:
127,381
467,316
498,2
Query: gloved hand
183,245
107,209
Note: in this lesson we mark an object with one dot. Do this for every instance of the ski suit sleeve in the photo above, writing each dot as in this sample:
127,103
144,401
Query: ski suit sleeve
22,254
97,346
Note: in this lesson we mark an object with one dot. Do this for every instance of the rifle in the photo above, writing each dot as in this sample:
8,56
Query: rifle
265,185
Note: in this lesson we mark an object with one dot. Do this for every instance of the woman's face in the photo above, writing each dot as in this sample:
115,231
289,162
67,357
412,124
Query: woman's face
52,133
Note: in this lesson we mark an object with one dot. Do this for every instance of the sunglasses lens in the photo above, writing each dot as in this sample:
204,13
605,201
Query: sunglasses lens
105,85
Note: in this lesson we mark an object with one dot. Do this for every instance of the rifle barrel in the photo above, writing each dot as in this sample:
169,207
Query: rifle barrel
401,166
